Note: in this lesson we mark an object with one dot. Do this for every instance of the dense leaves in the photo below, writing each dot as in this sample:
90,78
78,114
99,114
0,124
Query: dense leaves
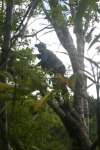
28,131
44,109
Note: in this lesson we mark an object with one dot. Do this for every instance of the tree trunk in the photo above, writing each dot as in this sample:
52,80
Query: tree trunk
3,127
78,132
98,111
73,125
82,81
3,62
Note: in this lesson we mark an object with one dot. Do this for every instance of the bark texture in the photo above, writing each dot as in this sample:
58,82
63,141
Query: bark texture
77,129
3,62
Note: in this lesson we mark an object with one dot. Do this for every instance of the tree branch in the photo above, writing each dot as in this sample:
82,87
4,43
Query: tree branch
28,14
62,32
32,35
73,126
24,17
7,33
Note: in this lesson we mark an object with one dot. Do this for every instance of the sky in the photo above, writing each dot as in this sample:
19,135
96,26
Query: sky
53,44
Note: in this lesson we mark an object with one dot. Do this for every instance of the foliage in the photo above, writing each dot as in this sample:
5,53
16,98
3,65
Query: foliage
44,131
30,122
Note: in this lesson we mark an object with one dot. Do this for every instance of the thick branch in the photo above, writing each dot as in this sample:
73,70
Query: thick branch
22,26
34,34
60,25
62,32
7,33
74,127
24,17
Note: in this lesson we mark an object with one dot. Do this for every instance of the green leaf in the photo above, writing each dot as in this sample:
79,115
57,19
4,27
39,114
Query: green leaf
83,5
4,87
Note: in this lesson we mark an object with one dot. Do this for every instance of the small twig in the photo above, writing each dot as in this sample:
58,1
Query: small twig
27,15
48,32
29,7
32,35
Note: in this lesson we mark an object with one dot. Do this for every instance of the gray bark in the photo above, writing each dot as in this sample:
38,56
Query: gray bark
76,56
73,125
3,62
7,34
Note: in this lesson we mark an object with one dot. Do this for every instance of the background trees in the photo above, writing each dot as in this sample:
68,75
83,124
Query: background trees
19,76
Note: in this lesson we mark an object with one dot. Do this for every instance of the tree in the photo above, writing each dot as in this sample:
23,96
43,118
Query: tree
80,16
8,35
16,62
27,131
